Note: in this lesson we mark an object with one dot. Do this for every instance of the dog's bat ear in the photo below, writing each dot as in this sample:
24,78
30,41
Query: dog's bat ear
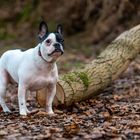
43,29
59,29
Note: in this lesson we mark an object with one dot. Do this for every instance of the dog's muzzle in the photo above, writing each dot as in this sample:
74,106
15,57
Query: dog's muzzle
57,49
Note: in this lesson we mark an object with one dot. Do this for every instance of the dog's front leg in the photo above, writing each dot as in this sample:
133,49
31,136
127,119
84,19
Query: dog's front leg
22,100
51,91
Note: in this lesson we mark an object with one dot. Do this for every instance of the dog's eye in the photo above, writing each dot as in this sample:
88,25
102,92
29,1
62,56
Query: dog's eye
48,41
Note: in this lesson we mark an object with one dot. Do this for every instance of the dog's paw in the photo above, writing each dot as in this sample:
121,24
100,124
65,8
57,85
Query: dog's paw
50,112
23,113
7,113
6,110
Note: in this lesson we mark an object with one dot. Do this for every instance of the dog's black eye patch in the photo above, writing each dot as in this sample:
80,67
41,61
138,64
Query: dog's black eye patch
59,38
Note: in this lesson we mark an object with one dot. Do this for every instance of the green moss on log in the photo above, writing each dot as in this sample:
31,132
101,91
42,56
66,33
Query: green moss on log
77,77
84,78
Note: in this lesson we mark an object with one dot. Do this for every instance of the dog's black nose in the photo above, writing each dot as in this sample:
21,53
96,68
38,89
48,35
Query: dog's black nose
57,46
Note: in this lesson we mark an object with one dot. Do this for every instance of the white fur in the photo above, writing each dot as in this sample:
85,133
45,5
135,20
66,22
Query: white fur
31,73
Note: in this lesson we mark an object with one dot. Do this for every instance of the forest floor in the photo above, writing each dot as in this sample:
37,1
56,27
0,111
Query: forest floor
114,114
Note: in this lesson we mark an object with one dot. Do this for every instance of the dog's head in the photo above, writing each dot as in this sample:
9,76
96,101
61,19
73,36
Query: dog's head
51,44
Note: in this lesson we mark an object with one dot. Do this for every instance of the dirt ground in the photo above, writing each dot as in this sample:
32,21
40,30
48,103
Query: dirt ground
114,114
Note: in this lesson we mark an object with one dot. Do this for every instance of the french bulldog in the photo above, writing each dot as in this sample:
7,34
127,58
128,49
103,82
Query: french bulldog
32,69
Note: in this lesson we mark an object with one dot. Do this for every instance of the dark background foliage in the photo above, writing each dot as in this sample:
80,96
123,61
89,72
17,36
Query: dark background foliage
86,22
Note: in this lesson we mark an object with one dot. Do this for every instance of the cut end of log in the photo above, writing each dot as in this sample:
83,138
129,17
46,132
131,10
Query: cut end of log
59,97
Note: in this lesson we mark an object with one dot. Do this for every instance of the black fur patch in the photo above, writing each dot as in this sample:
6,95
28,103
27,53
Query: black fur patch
21,49
44,37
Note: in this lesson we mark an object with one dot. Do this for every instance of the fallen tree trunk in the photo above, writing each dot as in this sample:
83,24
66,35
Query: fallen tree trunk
83,84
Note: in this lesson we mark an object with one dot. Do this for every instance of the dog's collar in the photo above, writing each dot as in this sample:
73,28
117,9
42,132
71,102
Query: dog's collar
39,53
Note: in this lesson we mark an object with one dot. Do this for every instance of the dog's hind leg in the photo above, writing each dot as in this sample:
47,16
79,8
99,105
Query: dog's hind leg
3,86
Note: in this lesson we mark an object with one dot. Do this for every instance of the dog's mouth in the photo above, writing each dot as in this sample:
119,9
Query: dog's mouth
56,52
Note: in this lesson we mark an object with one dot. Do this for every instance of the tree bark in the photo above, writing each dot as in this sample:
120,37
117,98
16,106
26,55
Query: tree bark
86,83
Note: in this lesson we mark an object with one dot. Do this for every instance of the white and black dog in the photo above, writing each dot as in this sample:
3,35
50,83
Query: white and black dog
32,69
